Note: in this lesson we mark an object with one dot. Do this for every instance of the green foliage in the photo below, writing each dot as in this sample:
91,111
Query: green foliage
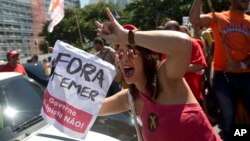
44,47
145,14
148,14
67,30
218,5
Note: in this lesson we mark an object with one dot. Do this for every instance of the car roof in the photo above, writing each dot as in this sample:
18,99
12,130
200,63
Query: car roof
6,75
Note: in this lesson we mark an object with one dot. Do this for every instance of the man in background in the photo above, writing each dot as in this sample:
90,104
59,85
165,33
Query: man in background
34,59
107,54
231,60
13,64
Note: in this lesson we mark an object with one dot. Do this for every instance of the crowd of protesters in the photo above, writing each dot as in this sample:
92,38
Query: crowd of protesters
216,74
231,73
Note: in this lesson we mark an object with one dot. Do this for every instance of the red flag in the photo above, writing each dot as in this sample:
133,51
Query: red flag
56,12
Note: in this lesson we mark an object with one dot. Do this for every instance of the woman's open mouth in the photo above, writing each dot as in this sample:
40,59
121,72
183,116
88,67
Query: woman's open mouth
128,71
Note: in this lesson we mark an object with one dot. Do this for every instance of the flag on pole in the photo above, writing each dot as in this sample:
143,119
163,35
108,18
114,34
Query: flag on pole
56,13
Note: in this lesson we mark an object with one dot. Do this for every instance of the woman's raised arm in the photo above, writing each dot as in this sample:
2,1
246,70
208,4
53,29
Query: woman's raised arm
176,45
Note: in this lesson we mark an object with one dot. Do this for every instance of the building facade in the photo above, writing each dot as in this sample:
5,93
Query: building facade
20,23
16,26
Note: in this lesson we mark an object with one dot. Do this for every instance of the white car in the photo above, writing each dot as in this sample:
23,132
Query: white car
20,119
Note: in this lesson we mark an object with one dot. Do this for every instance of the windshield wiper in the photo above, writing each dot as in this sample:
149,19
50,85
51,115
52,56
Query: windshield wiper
28,123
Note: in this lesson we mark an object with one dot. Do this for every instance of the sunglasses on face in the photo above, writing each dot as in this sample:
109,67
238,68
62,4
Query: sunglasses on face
131,53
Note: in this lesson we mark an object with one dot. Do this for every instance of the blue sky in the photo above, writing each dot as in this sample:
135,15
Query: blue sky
84,2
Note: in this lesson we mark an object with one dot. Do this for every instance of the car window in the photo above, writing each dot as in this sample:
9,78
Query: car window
20,100
24,100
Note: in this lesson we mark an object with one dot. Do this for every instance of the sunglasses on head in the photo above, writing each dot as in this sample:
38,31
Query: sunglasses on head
131,53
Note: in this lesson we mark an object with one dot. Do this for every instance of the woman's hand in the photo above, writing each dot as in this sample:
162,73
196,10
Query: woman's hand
112,30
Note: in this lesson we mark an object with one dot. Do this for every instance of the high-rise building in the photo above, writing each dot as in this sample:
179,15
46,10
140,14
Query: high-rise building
20,23
16,26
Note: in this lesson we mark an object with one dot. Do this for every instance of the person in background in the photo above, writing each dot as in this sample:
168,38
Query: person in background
211,101
107,54
160,27
184,29
231,60
46,67
52,62
29,61
207,37
34,59
172,25
13,64
194,74
197,78
158,95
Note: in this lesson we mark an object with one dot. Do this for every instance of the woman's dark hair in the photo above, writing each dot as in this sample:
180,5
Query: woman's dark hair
150,70
149,65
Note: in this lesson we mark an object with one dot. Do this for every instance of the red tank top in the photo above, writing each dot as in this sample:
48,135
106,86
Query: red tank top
180,122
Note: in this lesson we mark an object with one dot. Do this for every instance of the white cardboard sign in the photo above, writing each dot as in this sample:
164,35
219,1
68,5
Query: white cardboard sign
76,90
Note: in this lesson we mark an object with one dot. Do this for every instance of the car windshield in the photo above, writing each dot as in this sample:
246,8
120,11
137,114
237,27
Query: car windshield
20,108
18,103
119,126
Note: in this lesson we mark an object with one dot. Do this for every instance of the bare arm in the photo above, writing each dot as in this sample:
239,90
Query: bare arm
175,44
115,104
195,16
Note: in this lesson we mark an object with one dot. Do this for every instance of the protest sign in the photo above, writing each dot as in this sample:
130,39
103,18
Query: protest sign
186,21
76,90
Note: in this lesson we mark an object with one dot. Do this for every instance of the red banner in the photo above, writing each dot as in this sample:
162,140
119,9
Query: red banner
69,116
